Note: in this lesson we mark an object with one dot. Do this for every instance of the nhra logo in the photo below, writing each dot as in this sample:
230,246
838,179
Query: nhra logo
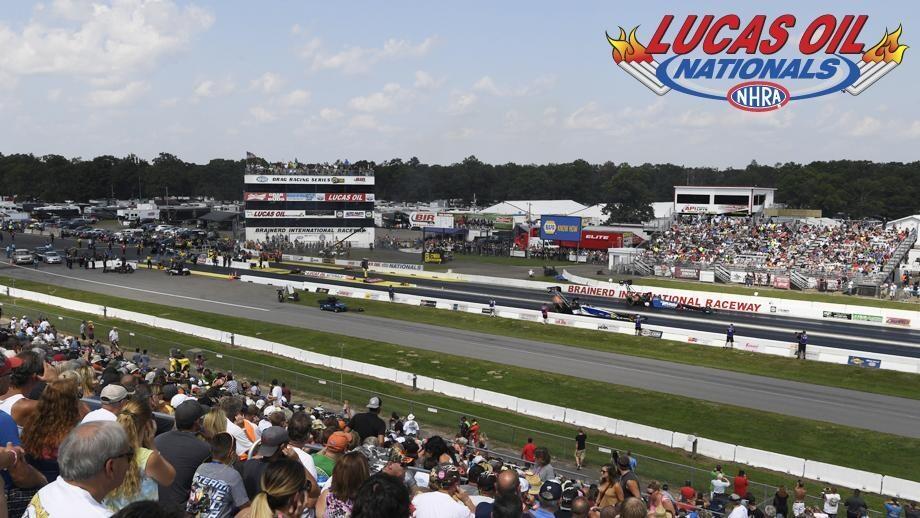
336,179
262,179
757,65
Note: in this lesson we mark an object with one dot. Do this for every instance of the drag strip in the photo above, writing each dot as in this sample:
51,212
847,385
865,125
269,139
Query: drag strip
840,335
842,406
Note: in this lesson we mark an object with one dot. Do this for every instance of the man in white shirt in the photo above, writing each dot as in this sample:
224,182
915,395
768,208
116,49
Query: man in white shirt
444,481
410,427
739,509
93,460
113,399
113,336
233,407
831,501
277,395
719,485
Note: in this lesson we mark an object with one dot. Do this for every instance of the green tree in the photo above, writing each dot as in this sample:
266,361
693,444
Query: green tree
628,199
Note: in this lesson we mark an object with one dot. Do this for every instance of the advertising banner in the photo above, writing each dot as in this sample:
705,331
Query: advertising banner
686,273
600,240
662,270
304,179
868,363
354,214
867,318
309,196
737,276
897,321
264,196
782,282
840,316
560,228
430,219
433,257
276,214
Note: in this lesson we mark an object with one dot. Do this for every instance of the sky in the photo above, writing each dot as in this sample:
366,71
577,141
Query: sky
526,82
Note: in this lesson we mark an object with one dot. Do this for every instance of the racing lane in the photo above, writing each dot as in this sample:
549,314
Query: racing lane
875,412
829,333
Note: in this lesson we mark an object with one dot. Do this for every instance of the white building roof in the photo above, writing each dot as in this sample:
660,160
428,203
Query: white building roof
535,207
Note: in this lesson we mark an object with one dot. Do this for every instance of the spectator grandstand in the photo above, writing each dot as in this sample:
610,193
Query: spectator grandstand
824,248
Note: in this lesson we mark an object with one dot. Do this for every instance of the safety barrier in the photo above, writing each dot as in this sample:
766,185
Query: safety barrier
767,305
816,352
832,474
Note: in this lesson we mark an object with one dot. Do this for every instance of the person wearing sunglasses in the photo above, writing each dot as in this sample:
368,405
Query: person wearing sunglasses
93,460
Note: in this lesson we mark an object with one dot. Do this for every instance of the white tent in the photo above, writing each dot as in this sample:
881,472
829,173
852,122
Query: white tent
535,208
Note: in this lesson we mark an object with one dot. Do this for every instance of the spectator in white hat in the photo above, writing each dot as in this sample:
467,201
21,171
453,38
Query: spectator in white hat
113,400
410,427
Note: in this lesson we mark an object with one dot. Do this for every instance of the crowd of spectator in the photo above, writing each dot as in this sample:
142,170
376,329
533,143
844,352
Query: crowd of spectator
339,168
846,248
182,439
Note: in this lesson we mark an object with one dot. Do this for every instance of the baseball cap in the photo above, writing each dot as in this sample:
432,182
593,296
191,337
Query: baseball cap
131,368
734,497
177,400
150,377
187,413
373,403
338,442
444,475
551,490
272,438
9,364
113,393
569,495
411,417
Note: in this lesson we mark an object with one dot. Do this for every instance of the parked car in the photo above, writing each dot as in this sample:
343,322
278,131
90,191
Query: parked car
23,256
50,257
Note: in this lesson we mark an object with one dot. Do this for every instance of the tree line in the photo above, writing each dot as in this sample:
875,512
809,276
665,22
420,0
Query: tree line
857,189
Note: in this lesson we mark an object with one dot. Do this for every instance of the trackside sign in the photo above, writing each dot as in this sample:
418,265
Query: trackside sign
761,63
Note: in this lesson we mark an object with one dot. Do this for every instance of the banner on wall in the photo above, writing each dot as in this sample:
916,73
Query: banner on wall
560,228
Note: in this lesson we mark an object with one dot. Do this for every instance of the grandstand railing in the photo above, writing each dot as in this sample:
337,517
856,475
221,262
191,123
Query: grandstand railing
433,419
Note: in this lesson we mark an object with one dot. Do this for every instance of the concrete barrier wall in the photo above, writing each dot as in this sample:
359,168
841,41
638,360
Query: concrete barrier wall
865,315
841,476
829,473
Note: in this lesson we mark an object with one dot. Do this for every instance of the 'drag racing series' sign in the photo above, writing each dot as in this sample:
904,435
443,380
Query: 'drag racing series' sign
560,228
758,64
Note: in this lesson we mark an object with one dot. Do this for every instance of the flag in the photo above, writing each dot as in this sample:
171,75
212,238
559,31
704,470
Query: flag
250,156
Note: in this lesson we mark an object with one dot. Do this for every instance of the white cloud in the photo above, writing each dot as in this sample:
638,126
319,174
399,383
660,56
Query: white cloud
108,40
388,99
588,117
365,121
424,81
267,83
260,114
549,116
864,127
461,102
913,131
487,85
212,88
359,59
169,102
117,97
330,114
311,48
296,98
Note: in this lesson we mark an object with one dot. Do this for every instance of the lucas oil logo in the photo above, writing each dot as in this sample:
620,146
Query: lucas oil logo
760,64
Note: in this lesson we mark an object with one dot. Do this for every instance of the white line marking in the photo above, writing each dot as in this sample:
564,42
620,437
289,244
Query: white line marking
139,289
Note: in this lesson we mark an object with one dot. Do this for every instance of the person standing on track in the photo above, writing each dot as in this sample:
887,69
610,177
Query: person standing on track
545,313
492,307
638,325
392,293
802,339
730,336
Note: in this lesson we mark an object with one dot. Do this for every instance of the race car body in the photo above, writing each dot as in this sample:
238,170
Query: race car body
562,305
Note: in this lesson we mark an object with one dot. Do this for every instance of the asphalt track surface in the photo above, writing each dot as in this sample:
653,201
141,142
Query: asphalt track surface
842,406
831,333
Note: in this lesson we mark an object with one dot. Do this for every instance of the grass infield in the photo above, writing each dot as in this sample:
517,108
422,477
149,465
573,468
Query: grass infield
820,441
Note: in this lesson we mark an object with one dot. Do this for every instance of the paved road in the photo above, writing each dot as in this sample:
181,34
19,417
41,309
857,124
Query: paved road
831,333
848,407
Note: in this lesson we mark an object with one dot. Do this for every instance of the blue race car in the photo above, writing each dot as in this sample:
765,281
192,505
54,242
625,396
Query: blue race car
332,304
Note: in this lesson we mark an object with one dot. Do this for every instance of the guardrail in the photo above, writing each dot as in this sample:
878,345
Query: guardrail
839,475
